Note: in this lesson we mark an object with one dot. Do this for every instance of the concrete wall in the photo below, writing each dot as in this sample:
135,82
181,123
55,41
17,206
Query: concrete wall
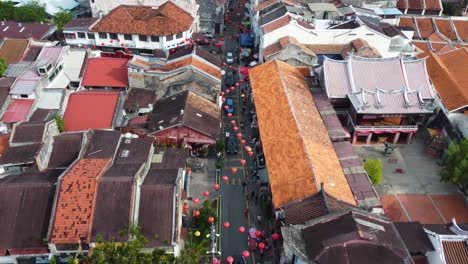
294,56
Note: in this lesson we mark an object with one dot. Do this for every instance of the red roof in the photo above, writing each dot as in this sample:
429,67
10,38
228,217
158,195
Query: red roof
90,109
17,111
106,72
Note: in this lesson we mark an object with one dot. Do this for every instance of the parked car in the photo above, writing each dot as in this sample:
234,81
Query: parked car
229,58
231,146
230,79
230,104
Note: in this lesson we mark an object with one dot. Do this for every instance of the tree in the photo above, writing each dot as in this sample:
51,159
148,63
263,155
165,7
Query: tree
456,165
3,66
31,11
7,10
374,169
61,18
220,145
60,123
200,223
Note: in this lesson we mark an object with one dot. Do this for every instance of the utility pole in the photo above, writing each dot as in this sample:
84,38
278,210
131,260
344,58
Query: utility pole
213,236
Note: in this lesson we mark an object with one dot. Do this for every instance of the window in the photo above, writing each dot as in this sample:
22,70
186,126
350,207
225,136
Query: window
155,38
70,35
103,35
112,36
143,38
128,37
169,38
60,67
52,77
91,36
42,70
49,67
81,35
24,96
179,35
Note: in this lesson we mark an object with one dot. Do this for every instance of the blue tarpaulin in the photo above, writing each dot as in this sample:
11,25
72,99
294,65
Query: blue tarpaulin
246,40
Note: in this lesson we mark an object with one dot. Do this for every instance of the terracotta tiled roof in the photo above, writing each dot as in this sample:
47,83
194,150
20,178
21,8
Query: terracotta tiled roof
281,22
433,4
406,22
75,203
425,27
297,148
361,48
415,4
194,62
402,4
106,72
268,3
285,41
448,75
455,251
166,20
12,50
445,27
462,29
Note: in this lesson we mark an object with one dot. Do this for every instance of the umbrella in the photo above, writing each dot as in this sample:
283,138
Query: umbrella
252,231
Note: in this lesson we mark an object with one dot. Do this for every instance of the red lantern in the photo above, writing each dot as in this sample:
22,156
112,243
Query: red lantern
185,207
207,41
195,200
241,229
190,44
198,39
222,39
261,246
236,128
226,225
241,80
242,162
242,142
129,52
227,91
223,99
247,148
275,236
250,153
233,170
196,213
225,178
229,114
226,107
224,64
232,88
233,122
221,93
246,254
230,37
213,40
121,44
239,135
126,48
206,194
111,41
102,43
215,261
211,219
237,84
216,186
235,69
85,47
230,67
258,234
229,260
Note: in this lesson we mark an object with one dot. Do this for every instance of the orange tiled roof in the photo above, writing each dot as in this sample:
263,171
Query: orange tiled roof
297,148
433,4
445,28
361,48
166,20
462,29
191,61
415,4
448,75
326,48
75,204
268,3
282,43
425,27
406,21
401,4
278,23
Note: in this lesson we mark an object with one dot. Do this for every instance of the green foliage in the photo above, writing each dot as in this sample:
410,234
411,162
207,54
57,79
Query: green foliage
220,145
31,11
61,18
374,169
456,165
219,163
452,9
204,151
60,123
200,223
195,250
3,66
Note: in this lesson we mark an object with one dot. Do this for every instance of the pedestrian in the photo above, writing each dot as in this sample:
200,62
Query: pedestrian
252,194
243,109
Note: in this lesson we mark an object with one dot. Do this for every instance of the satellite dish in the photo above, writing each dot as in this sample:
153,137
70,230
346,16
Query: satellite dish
128,135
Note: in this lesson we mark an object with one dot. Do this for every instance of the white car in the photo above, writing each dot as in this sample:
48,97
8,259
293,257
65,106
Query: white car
229,58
